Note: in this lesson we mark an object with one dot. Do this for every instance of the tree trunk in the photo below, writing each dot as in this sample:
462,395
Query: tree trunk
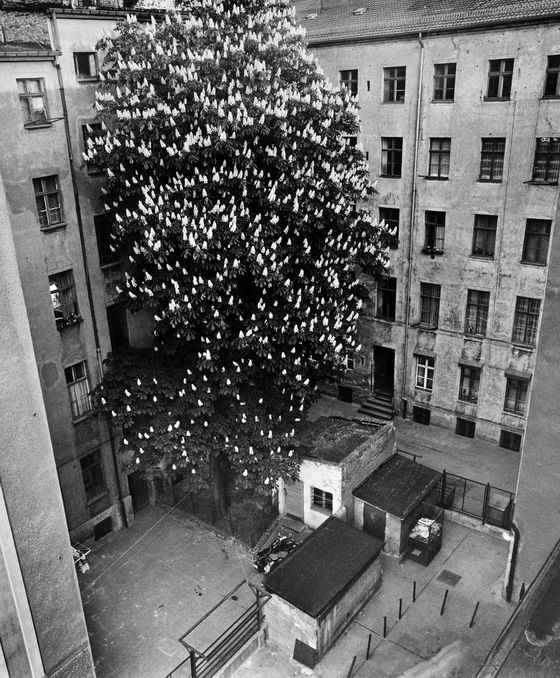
218,489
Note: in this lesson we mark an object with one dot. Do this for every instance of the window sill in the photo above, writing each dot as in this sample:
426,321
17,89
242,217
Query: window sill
523,347
489,181
38,125
468,401
424,390
53,227
97,497
321,510
83,417
477,337
496,99
538,264
383,319
111,264
521,415
483,257
429,177
534,182
88,78
432,251
443,101
96,172
550,96
400,101
391,176
61,327
425,326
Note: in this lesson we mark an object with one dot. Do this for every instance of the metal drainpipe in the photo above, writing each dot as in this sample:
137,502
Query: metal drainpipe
120,504
513,561
412,215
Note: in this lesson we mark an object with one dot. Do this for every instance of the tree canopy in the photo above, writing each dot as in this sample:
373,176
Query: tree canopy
236,201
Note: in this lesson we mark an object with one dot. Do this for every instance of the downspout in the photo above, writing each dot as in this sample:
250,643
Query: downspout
56,38
413,196
512,561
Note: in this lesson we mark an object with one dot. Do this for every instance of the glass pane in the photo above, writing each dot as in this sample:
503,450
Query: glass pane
33,86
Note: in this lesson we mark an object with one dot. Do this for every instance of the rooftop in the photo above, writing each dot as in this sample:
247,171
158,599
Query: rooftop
334,20
332,439
322,568
397,486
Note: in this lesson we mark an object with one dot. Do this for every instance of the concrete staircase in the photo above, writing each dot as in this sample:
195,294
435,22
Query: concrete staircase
378,406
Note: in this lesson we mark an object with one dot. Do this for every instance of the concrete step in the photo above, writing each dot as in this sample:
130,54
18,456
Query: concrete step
379,409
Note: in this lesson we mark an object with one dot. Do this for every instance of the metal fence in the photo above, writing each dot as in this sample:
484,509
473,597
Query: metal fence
490,504
206,663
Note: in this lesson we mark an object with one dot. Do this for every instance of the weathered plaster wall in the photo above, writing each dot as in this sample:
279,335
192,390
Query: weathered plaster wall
286,624
324,476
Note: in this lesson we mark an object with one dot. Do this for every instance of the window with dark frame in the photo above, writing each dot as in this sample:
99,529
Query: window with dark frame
48,200
535,244
86,65
394,83
92,475
118,326
440,152
546,166
64,301
421,415
349,80
484,235
465,427
477,312
435,232
386,298
33,101
492,159
391,216
500,73
552,81
105,241
510,440
444,82
89,131
516,395
391,156
525,321
469,385
78,389
321,499
424,372
350,141
429,304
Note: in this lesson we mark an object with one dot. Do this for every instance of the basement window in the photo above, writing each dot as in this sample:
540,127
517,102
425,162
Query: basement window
321,499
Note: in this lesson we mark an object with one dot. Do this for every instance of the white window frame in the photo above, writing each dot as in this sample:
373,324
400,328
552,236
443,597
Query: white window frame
425,366
78,389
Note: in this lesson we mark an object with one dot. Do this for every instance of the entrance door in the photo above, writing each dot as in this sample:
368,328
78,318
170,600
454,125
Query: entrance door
374,522
138,491
383,370
294,499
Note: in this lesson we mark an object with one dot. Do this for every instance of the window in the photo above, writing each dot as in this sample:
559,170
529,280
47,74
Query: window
435,232
33,101
535,245
321,499
424,372
386,298
484,235
350,141
105,240
92,475
394,80
113,279
492,160
477,312
391,156
440,150
525,321
469,384
118,326
48,200
516,395
349,361
429,304
390,215
547,160
444,82
465,427
63,295
421,415
509,440
89,131
500,72
349,79
86,65
78,389
552,82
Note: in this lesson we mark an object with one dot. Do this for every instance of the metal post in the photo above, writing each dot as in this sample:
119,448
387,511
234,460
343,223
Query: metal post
522,592
414,592
384,627
464,493
400,608
193,664
443,487
485,503
368,647
351,668
259,620
471,624
444,601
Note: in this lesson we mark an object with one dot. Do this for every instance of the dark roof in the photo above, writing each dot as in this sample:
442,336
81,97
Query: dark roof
385,18
320,570
397,486
332,439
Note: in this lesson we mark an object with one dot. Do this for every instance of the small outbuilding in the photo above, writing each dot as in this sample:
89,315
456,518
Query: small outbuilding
320,587
391,500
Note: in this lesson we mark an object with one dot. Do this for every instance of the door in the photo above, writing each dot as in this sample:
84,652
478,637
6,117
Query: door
294,499
374,522
138,491
383,369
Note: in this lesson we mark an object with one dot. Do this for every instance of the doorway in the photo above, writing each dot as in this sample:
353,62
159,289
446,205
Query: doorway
374,521
138,491
294,499
383,370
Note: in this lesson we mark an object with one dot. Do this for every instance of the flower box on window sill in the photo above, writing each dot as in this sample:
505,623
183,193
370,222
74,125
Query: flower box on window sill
432,251
53,227
68,321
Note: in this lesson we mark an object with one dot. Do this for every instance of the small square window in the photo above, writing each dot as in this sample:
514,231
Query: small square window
511,441
78,389
86,65
321,499
349,80
33,101
48,200
535,244
394,81
500,73
465,427
421,415
484,235
424,372
65,303
92,475
444,82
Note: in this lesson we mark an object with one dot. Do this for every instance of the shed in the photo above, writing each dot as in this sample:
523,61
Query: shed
389,501
320,587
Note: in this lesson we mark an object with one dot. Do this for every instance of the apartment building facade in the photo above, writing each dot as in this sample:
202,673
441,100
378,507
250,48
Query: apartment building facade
460,114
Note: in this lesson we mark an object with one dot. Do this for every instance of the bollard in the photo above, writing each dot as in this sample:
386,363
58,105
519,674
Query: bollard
414,592
444,601
522,592
400,608
368,647
351,668
384,627
473,615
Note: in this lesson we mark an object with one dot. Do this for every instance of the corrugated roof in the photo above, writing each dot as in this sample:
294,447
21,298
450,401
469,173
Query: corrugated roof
384,18
397,486
316,574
